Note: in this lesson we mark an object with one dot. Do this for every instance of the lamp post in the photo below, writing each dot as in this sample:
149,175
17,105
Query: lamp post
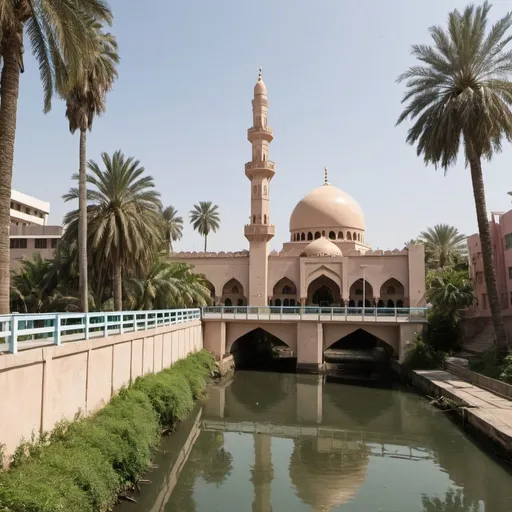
363,268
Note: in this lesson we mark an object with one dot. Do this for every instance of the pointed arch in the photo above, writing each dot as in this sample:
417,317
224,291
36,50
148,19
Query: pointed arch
386,336
327,272
233,291
323,288
392,292
356,292
284,292
210,287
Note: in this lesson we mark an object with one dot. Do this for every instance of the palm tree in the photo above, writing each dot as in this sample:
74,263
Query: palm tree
84,100
412,241
444,245
167,284
454,501
34,287
205,218
449,291
173,225
460,96
60,39
123,216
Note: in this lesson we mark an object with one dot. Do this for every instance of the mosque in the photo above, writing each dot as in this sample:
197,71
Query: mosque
326,261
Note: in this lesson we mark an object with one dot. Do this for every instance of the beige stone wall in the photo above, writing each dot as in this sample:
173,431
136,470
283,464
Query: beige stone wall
43,386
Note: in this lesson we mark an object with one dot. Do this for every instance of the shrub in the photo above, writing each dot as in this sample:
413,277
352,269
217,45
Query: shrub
442,331
487,364
422,356
506,373
82,466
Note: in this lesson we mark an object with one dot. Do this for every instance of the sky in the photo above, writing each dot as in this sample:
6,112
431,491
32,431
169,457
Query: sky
182,106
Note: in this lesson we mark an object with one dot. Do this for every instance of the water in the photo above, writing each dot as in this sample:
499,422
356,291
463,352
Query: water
323,447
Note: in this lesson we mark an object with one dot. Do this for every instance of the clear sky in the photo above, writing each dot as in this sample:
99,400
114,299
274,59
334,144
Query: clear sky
182,106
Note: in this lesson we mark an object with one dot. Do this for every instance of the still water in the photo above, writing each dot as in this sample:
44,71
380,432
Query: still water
284,442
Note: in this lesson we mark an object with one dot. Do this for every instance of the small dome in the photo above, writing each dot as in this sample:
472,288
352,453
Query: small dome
327,207
260,87
322,247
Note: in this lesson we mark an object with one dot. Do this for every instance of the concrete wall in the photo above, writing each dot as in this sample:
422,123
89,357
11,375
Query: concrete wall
43,386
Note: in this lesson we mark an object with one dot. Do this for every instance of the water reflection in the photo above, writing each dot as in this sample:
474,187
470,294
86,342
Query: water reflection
278,442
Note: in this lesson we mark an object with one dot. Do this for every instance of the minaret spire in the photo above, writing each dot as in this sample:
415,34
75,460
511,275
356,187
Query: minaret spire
260,171
326,181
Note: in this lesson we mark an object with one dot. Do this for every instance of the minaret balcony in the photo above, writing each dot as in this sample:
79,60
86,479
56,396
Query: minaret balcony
259,231
260,133
265,168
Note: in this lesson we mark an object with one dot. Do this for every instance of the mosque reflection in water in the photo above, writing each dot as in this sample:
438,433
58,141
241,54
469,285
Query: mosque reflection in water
350,447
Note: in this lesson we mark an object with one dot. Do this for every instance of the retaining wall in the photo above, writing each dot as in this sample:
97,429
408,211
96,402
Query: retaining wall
39,387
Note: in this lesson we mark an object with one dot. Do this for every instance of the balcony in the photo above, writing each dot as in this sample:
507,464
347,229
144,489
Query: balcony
35,231
259,230
265,167
263,132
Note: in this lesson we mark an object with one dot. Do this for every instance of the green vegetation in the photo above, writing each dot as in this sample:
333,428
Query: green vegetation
490,365
459,97
444,246
85,465
423,356
205,218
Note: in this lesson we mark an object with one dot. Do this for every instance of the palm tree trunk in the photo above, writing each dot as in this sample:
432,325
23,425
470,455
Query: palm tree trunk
475,164
118,288
9,87
205,242
82,225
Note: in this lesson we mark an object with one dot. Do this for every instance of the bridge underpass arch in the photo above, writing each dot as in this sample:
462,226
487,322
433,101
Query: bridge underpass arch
261,346
347,336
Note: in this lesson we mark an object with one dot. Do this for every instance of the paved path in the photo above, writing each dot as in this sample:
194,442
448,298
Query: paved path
487,412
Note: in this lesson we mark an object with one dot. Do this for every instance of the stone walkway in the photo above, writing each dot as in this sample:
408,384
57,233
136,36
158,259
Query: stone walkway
487,412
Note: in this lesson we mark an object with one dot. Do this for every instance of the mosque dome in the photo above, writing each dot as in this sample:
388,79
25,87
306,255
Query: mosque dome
327,207
321,247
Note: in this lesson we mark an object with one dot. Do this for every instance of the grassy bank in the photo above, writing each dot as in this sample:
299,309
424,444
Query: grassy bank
83,466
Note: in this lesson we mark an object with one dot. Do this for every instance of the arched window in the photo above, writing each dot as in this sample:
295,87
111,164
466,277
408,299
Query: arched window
358,237
287,290
380,304
359,303
399,303
354,237
264,219
351,303
391,304
286,302
270,302
254,219
303,255
240,302
235,290
317,235
340,235
391,290
332,235
278,302
228,302
310,236
349,236
303,236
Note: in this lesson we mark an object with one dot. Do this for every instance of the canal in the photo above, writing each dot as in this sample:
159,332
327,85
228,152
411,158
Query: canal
277,442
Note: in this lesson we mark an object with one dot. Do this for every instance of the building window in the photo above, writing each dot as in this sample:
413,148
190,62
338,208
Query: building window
55,241
27,210
508,241
12,205
18,207
18,243
41,243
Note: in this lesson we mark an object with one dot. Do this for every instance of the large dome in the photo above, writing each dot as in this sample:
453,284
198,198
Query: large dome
327,207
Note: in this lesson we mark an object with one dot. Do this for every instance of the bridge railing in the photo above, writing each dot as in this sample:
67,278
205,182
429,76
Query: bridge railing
19,331
370,314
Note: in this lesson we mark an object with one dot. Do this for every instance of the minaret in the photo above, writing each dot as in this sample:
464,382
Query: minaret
260,170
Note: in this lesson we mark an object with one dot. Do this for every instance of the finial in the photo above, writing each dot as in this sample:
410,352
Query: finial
260,70
326,181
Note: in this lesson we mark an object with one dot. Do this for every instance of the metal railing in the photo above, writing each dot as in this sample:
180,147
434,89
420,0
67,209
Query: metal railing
33,330
314,312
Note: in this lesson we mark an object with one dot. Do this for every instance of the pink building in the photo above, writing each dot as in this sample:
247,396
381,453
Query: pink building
501,235
326,261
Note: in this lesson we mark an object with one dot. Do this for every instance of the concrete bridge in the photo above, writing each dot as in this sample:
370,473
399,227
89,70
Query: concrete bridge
310,331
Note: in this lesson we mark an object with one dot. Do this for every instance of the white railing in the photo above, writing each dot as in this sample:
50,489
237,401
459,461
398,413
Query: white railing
367,314
33,330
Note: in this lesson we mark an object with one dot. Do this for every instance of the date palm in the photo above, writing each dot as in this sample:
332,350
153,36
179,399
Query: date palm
173,225
459,97
205,219
60,39
123,216
443,244
84,100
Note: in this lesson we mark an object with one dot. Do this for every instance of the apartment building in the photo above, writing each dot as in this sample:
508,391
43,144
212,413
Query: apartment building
29,231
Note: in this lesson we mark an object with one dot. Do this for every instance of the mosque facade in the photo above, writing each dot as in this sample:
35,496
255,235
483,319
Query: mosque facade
326,261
